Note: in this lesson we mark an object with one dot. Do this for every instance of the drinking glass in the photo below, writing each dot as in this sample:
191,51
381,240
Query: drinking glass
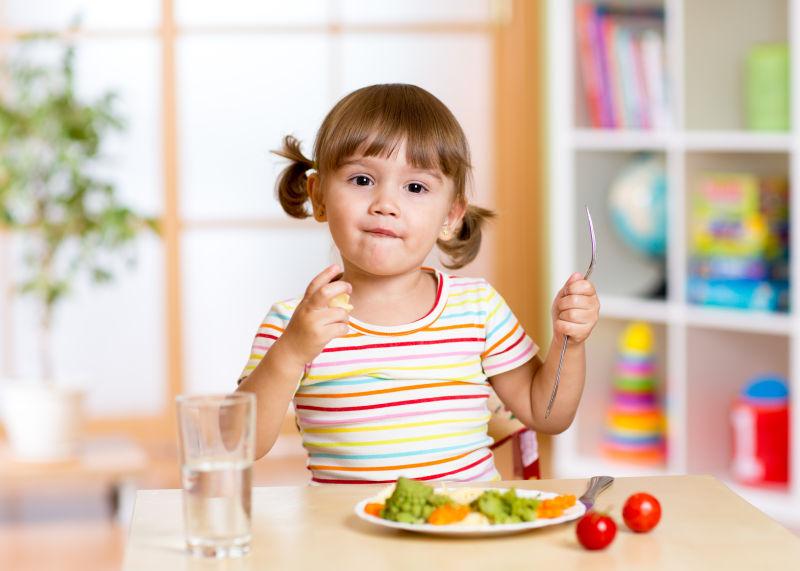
217,450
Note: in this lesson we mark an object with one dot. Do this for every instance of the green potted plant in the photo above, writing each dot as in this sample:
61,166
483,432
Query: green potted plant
71,222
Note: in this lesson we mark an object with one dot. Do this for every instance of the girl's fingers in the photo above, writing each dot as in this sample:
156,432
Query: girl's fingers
566,328
578,331
577,316
322,298
339,329
572,302
579,287
576,302
331,315
564,288
322,278
577,308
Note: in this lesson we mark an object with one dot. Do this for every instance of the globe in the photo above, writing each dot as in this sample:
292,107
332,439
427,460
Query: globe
637,201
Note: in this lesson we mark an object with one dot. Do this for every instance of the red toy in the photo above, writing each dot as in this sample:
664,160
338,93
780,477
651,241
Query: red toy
760,420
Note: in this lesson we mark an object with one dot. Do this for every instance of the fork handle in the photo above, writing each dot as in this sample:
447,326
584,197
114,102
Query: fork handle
558,377
596,485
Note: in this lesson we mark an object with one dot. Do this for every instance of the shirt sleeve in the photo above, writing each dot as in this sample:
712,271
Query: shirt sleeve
507,344
271,328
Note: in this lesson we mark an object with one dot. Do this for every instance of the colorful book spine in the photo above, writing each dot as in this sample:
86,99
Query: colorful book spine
609,28
621,62
643,95
626,76
609,119
590,71
655,78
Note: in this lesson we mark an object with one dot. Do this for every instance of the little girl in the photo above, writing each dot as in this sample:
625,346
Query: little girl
397,381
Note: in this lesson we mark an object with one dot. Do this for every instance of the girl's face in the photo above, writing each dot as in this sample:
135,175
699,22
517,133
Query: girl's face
384,214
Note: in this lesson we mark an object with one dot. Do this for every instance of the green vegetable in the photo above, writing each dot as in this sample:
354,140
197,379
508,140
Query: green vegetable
505,507
412,502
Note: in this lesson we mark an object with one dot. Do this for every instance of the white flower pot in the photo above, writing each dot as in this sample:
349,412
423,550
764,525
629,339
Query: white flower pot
43,422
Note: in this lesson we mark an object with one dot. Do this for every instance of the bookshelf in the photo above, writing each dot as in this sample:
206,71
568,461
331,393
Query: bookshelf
704,354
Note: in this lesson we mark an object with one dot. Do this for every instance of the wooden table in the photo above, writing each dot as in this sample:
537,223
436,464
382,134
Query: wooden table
705,526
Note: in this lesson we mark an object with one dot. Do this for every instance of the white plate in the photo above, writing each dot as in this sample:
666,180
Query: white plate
570,514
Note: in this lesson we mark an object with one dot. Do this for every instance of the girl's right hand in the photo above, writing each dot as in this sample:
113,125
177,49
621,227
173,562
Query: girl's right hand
314,323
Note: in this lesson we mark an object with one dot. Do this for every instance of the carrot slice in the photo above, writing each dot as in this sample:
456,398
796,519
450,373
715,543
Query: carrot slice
374,509
554,507
448,513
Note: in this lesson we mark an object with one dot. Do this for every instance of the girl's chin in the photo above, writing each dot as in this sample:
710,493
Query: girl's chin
385,266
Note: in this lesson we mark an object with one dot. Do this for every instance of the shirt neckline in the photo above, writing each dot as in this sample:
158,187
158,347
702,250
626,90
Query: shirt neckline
442,289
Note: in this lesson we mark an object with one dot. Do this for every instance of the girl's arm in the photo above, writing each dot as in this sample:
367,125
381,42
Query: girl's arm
526,390
274,382
312,326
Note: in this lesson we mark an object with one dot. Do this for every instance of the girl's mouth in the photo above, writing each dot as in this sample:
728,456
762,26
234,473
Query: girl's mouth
382,233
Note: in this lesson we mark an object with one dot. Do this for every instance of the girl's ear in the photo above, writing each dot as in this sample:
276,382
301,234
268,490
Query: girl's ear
456,215
314,191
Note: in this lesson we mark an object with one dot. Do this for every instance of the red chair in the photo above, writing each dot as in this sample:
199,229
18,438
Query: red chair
507,431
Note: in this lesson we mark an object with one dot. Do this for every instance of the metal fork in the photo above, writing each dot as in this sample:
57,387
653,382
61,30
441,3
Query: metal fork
596,485
566,337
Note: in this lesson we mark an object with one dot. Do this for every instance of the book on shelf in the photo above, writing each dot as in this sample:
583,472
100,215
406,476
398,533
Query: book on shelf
622,65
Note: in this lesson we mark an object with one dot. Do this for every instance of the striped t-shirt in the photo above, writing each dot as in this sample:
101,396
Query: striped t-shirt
407,400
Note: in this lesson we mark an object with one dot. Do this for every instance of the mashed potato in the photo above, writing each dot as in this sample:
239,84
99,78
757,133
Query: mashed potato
473,519
383,495
461,495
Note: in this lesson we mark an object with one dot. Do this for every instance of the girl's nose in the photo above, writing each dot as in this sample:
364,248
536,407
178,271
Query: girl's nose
383,202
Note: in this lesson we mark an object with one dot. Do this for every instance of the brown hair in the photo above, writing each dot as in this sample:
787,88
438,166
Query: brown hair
373,121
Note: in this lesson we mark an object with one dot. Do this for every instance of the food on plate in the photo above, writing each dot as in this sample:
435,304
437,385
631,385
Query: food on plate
374,508
595,530
342,300
506,507
411,501
448,513
555,507
641,512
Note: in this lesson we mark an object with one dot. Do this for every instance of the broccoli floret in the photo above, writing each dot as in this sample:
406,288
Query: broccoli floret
490,504
525,509
437,500
505,507
411,502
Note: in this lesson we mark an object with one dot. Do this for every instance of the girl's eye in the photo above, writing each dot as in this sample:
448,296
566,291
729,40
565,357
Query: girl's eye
416,188
361,180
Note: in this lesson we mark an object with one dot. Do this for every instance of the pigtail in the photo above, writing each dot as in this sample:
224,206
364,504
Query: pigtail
464,246
291,185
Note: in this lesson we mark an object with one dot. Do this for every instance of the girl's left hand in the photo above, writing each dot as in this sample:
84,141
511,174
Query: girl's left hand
576,309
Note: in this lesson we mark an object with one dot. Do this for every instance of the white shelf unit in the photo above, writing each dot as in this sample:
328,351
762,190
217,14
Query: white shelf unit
704,354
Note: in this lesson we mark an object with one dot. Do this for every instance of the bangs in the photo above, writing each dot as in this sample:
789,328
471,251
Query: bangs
374,121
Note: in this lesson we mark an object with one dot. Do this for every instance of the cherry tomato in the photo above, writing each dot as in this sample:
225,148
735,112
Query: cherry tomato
596,530
641,512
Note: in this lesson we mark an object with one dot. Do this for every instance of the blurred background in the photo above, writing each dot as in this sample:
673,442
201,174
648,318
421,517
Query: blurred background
141,243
